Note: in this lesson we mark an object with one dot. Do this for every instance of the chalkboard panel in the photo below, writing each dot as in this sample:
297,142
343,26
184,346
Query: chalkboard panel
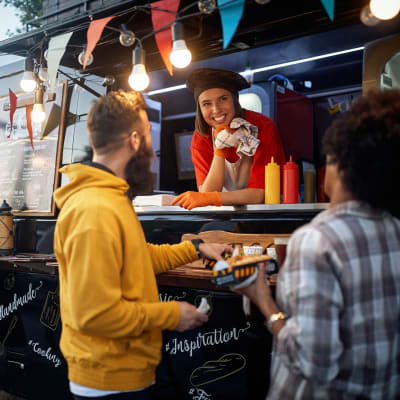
28,176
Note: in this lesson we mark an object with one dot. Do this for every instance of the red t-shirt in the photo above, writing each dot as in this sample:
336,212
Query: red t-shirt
270,146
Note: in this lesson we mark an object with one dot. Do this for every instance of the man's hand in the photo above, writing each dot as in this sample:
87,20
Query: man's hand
190,317
259,292
214,251
191,199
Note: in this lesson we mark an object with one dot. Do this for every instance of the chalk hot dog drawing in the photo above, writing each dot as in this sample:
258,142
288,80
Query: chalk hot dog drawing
215,370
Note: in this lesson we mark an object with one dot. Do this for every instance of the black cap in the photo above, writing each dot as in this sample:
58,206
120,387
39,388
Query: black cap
203,79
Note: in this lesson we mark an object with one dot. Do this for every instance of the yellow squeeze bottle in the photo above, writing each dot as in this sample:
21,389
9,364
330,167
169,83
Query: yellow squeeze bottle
272,183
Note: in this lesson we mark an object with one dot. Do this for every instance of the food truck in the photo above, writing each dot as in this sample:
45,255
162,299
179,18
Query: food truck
305,65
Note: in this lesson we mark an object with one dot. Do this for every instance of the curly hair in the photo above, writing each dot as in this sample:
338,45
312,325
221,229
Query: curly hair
112,117
365,144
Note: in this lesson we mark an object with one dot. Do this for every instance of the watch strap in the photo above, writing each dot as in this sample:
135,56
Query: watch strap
196,243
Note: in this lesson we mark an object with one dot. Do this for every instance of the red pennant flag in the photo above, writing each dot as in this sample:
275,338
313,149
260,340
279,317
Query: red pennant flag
13,107
28,110
160,19
93,36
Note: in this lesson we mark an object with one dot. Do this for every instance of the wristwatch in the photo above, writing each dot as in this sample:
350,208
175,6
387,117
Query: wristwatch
196,244
273,318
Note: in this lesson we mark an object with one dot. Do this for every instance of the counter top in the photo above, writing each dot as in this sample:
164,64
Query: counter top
311,208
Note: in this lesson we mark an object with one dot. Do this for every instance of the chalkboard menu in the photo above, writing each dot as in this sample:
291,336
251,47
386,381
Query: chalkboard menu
29,174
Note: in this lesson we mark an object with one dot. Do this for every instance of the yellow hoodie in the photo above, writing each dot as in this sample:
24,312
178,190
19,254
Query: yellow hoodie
111,314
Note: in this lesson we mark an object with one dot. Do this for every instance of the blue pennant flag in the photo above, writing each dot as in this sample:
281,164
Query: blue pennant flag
231,14
329,6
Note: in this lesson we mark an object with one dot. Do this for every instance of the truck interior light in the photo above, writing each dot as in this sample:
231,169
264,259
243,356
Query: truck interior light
385,9
180,55
126,38
38,114
138,79
28,81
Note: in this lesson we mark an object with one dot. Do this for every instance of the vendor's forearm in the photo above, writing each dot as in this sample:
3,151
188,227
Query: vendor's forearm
244,196
216,175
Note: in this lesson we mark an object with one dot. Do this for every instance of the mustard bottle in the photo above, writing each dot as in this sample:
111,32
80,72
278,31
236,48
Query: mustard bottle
272,183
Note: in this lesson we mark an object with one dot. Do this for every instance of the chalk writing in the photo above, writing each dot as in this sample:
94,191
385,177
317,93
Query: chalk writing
45,353
19,301
199,394
169,297
212,338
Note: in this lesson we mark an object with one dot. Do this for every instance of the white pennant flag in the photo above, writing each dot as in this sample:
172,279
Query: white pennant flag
55,52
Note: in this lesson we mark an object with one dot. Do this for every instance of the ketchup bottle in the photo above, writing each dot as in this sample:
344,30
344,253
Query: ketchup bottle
290,182
272,183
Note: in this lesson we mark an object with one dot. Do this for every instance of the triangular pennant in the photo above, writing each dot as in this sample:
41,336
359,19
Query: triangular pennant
160,19
55,52
28,110
231,13
329,6
13,107
93,36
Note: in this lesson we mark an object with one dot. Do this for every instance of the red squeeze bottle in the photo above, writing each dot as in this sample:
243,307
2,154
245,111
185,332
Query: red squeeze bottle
290,182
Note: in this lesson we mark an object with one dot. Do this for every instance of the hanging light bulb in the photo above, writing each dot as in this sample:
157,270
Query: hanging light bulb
384,9
126,38
367,18
43,74
38,114
180,55
108,80
138,79
28,81
81,58
207,6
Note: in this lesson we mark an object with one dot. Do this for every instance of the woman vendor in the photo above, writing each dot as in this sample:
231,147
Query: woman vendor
230,146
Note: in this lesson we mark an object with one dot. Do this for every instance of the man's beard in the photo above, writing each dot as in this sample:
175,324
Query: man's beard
137,171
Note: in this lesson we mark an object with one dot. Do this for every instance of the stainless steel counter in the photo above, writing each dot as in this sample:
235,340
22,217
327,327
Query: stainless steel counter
305,208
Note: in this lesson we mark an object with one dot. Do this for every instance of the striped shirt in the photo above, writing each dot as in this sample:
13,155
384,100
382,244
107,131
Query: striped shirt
340,289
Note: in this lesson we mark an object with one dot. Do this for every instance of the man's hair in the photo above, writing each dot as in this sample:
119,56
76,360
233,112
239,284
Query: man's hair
202,128
365,143
112,117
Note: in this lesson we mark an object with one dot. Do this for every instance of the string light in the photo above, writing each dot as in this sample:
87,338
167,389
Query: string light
367,18
207,6
126,38
180,55
28,81
138,79
81,58
385,9
38,114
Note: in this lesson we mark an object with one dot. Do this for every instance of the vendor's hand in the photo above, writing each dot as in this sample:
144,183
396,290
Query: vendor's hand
191,200
259,291
214,251
190,318
218,129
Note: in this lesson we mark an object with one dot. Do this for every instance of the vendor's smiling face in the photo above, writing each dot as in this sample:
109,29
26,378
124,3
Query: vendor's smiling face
217,106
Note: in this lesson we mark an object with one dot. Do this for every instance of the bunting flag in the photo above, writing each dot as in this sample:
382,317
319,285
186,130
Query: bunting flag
55,52
28,110
13,107
160,19
329,6
93,36
231,13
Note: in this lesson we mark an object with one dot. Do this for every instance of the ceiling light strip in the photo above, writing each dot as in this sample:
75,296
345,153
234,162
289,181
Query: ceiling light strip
270,67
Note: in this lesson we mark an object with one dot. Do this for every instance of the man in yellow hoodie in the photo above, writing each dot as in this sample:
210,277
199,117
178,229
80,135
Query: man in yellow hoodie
111,314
